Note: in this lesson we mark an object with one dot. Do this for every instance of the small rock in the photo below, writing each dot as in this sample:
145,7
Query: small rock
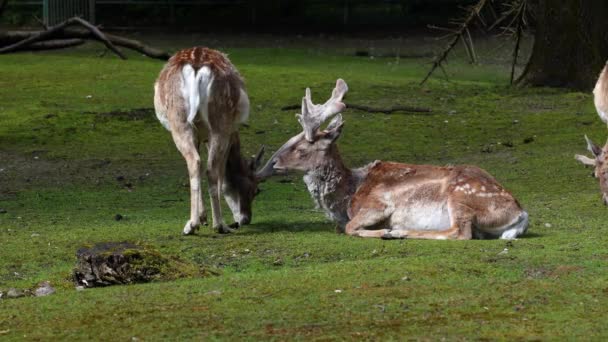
14,293
278,262
35,235
246,251
515,121
548,225
338,291
214,293
44,289
406,278
452,112
79,288
3,211
504,251
118,217
89,96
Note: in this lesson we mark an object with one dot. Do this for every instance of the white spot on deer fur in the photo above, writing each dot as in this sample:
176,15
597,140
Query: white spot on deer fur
483,188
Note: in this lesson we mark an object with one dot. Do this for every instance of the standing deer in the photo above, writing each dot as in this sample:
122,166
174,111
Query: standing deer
200,95
393,200
600,95
600,155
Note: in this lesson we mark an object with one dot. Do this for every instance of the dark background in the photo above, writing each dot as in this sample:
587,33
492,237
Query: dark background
287,16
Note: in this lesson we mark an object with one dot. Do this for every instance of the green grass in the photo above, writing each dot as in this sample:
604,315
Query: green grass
288,275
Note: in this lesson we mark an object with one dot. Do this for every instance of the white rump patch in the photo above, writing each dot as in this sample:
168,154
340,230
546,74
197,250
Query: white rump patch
196,91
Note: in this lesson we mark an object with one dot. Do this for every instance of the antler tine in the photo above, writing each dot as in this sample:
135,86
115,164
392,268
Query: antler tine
313,115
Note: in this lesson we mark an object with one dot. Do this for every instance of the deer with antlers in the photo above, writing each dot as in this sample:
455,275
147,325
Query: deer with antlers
394,200
199,95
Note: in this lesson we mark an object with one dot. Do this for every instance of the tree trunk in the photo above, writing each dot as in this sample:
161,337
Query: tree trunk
570,45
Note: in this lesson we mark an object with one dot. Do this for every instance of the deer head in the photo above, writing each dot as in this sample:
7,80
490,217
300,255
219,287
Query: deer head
311,148
600,164
241,185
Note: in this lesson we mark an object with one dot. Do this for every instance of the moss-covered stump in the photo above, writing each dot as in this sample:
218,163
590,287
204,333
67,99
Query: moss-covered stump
112,263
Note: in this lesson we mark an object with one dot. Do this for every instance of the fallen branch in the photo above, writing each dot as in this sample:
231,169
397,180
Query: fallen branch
45,35
53,44
18,40
369,109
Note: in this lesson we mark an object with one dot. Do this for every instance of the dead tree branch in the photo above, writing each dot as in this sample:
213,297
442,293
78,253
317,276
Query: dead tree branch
521,21
458,33
45,35
53,44
369,109
74,28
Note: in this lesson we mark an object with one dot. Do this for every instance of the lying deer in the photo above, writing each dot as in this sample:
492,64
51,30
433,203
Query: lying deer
599,163
393,200
200,95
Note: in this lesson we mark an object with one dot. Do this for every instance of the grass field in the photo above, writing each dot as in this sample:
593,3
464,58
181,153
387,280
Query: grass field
76,148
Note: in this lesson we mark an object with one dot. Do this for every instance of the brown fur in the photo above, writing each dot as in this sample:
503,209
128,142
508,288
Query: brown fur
227,102
394,200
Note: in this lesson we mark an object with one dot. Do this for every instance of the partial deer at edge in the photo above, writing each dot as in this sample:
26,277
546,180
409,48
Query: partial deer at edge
198,96
394,200
600,154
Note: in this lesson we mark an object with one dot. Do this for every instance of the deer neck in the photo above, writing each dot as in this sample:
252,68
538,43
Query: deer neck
332,186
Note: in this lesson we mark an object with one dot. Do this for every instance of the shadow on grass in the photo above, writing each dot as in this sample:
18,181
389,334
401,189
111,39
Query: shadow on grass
268,227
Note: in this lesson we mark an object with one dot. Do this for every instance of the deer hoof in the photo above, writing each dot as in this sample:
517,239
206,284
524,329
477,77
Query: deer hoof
189,229
223,229
234,225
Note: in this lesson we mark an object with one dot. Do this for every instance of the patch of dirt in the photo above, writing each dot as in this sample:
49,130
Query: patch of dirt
129,115
545,272
27,171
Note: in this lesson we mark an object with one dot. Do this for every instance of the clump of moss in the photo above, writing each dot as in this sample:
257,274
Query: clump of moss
111,263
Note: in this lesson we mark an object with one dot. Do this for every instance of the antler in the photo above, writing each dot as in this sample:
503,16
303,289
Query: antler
313,115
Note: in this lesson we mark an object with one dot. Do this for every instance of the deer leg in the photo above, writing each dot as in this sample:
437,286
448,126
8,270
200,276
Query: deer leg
185,141
367,218
216,165
201,205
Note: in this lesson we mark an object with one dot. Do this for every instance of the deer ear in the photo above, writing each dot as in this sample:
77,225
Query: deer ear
593,148
257,159
334,129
